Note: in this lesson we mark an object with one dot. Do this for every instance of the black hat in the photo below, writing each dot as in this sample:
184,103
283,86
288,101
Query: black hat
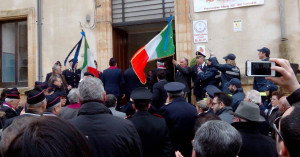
211,90
264,50
88,74
235,82
174,87
13,93
52,100
230,56
43,85
141,93
35,96
198,53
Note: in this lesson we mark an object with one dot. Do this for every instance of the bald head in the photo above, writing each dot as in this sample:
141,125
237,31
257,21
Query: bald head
283,104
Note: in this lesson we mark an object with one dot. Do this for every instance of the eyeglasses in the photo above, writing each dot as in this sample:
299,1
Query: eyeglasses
276,126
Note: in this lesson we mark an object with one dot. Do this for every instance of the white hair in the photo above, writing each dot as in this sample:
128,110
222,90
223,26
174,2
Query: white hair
50,109
73,96
10,99
91,88
254,96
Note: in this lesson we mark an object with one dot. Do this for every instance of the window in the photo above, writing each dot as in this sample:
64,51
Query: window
14,54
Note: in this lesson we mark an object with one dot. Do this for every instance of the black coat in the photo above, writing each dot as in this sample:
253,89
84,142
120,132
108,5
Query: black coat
159,95
254,143
113,81
48,77
153,131
184,76
131,82
154,77
9,112
199,85
180,117
109,136
72,78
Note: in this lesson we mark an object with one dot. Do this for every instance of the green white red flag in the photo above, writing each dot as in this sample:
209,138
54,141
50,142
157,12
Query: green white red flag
88,63
160,46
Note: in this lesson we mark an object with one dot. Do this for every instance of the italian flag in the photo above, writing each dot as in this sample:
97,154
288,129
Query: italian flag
159,47
88,63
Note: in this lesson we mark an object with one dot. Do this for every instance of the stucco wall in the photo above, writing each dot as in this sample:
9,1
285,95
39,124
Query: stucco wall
261,28
61,27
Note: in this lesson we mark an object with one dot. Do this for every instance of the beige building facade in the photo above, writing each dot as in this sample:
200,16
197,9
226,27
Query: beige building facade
262,26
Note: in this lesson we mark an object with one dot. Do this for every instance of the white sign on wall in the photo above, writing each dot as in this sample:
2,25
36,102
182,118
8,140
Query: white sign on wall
200,31
208,5
237,26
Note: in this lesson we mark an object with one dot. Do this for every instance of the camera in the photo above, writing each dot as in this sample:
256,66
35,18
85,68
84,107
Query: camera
260,68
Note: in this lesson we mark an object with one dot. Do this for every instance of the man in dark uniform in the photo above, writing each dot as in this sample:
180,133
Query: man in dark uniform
199,85
229,70
72,75
159,96
11,106
238,95
210,77
152,129
53,105
113,81
36,105
131,82
260,83
180,117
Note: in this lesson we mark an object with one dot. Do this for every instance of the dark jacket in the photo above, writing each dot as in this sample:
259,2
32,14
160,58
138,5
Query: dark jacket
294,97
154,77
72,78
9,111
209,77
260,83
159,95
48,77
228,72
184,76
237,97
199,85
180,117
225,114
113,81
153,131
131,82
254,143
108,135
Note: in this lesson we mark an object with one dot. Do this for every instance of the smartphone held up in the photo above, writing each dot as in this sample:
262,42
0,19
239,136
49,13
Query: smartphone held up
260,68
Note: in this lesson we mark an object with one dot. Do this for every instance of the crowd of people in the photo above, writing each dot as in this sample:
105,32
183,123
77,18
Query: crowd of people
70,115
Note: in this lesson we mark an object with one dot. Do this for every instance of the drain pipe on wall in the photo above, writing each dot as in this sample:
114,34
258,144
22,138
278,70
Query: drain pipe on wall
39,38
284,46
